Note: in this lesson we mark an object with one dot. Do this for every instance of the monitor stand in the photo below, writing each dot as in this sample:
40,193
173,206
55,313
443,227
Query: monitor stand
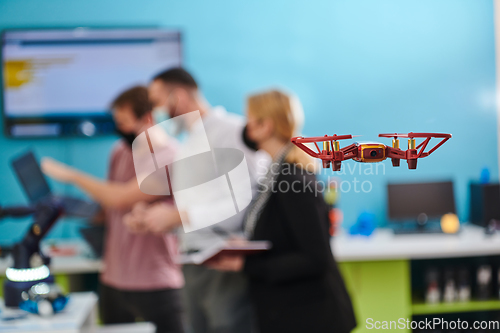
416,229
420,226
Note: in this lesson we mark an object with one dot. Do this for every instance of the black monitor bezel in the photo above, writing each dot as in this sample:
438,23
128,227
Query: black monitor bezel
412,219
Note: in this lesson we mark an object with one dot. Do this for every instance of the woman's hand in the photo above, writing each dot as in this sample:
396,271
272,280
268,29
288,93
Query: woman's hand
228,263
58,170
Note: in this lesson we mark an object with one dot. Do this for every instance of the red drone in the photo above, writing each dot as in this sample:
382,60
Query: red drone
370,152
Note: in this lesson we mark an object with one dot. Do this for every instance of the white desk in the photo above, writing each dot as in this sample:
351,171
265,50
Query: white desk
80,263
63,265
80,315
384,245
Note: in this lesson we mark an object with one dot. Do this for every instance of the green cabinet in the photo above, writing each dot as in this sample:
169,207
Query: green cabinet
380,291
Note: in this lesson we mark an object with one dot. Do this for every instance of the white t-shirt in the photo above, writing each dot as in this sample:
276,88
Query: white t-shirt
225,130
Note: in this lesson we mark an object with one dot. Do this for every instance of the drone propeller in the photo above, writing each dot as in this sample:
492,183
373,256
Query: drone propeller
413,155
315,139
330,149
412,135
411,140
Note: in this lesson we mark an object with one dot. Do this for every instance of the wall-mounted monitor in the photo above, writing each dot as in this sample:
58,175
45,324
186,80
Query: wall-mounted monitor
60,82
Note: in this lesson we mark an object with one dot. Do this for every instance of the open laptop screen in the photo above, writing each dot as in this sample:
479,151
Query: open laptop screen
31,177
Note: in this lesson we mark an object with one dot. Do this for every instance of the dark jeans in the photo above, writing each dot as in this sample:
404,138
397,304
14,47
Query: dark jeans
160,307
216,302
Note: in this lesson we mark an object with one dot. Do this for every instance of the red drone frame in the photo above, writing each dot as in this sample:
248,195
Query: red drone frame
370,152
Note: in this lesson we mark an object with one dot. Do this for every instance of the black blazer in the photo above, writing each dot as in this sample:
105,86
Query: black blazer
296,286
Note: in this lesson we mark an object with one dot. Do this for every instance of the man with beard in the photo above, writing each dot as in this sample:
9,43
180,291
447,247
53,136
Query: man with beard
216,301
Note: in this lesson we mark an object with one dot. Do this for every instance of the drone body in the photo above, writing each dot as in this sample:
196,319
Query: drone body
332,154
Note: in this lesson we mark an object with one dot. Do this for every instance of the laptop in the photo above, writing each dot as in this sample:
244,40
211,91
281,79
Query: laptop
37,189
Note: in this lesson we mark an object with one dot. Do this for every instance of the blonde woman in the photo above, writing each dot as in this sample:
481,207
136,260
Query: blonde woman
296,286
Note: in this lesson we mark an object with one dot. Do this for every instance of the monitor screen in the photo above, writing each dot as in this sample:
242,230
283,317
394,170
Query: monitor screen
31,177
407,201
62,81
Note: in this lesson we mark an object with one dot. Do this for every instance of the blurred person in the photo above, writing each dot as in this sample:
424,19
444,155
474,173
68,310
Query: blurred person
296,286
215,301
140,278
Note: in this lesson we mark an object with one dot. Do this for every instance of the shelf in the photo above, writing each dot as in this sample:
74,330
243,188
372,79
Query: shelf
421,308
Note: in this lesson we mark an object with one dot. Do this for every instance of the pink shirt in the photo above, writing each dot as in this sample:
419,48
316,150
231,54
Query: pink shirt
136,261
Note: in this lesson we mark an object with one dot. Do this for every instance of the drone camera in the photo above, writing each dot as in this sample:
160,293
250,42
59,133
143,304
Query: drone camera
374,153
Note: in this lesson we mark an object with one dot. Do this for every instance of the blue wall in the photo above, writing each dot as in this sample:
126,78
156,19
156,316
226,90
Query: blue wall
359,66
